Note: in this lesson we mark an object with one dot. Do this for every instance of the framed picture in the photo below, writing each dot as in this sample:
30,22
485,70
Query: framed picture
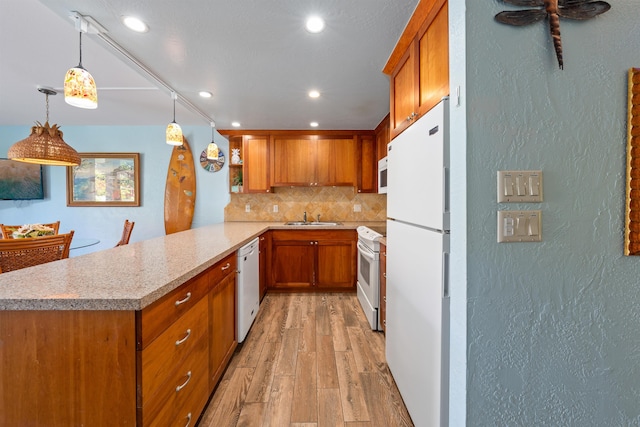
104,179
20,181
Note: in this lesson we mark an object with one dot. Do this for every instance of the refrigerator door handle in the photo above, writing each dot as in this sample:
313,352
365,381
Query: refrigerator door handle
445,275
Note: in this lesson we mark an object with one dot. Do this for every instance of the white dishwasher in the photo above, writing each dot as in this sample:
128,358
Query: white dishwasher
248,287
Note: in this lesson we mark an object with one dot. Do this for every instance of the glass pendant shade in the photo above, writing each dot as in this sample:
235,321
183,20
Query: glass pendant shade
80,88
174,131
212,151
44,146
174,134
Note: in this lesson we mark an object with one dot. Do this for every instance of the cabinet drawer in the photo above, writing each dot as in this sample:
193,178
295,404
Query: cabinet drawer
167,352
223,268
157,317
186,389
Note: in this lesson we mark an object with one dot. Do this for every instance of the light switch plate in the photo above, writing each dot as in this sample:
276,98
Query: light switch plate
519,186
519,226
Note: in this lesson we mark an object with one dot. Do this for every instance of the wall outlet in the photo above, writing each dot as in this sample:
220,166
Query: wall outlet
247,207
275,208
357,208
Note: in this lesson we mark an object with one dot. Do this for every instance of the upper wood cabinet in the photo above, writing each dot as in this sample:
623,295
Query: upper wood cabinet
256,164
311,160
382,138
368,171
419,66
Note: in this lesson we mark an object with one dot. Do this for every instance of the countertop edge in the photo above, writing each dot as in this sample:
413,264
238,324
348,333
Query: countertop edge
66,302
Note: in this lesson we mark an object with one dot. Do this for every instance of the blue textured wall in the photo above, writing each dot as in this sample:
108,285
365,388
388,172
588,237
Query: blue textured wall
105,223
553,328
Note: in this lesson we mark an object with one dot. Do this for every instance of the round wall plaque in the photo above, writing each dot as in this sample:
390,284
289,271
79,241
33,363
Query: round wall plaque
212,165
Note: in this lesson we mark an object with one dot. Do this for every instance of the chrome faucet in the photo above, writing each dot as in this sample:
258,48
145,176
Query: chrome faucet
305,216
318,218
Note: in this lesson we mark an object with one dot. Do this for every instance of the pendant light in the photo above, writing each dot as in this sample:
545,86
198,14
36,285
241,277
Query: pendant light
174,131
212,149
79,87
45,145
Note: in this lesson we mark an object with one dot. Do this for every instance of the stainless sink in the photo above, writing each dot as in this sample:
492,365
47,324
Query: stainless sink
316,223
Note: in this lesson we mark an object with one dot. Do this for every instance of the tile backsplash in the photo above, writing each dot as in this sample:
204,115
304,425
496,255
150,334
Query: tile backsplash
332,203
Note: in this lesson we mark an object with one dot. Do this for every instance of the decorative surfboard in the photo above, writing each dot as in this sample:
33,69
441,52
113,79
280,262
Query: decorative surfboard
180,190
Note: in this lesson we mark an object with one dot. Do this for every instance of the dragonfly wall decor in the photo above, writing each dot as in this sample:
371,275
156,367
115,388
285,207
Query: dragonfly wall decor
554,9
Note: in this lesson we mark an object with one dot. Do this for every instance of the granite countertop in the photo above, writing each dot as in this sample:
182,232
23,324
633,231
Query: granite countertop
133,276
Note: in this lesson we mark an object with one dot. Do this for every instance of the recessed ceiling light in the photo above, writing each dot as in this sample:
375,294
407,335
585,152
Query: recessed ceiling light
135,24
235,124
205,94
314,94
315,24
313,124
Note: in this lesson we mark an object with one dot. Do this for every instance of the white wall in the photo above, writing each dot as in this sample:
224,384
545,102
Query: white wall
105,223
552,328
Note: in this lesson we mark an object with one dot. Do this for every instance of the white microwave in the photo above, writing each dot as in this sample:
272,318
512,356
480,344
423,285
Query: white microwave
382,175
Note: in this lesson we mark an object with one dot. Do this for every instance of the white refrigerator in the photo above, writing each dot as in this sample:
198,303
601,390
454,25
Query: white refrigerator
417,328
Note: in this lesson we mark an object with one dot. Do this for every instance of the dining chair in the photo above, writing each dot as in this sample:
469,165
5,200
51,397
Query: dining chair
126,233
6,231
21,253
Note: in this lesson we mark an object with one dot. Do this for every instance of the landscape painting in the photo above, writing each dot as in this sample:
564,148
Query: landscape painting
20,181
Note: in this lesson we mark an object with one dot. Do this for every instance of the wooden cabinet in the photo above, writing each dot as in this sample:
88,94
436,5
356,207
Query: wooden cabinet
311,160
173,352
383,287
252,176
368,167
419,66
265,265
67,368
382,137
222,317
313,260
152,367
256,164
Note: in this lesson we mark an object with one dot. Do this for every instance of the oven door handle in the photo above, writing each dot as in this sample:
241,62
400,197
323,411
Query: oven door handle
365,251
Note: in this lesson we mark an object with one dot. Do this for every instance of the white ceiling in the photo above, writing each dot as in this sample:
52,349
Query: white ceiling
254,56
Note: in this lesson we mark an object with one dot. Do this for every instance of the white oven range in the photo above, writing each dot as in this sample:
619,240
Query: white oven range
369,274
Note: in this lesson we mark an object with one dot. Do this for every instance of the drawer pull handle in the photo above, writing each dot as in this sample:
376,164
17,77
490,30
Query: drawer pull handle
226,267
183,385
385,275
185,338
188,420
185,299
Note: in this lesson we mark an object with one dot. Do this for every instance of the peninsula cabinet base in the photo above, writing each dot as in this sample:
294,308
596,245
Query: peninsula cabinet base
67,368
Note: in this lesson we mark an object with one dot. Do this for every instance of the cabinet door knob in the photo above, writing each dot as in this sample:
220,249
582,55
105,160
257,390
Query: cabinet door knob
178,342
185,299
184,384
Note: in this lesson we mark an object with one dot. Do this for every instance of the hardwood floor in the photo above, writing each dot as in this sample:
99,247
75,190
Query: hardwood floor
310,360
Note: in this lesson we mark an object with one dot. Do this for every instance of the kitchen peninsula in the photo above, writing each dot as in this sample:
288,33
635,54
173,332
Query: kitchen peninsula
102,339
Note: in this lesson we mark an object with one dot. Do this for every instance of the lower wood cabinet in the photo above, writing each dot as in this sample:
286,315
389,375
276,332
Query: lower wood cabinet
313,260
185,341
152,367
265,266
222,338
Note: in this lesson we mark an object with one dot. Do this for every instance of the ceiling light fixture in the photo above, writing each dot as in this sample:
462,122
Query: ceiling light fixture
235,124
314,94
315,24
313,124
45,145
212,149
205,94
135,24
174,131
79,87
